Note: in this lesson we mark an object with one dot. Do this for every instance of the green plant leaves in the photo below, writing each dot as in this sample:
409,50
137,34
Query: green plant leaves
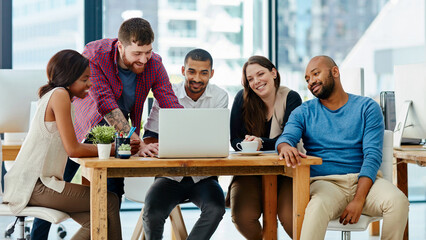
102,134
124,147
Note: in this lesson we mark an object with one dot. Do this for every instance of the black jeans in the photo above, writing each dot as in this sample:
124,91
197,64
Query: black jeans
165,194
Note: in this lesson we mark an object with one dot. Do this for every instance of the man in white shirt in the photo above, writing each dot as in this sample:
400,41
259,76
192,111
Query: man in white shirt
204,191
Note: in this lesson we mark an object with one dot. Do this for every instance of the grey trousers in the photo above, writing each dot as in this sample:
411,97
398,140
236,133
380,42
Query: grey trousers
75,200
165,194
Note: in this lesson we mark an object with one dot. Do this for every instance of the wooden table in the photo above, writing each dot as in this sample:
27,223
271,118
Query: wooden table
268,165
10,152
402,158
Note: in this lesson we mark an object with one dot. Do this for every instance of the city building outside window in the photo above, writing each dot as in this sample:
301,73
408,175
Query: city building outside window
40,28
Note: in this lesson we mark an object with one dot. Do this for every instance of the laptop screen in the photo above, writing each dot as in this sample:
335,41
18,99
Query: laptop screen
193,132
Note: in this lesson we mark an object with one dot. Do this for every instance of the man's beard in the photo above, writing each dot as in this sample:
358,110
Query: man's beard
202,87
129,65
326,89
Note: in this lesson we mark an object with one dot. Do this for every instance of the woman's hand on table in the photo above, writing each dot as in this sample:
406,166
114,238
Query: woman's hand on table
251,138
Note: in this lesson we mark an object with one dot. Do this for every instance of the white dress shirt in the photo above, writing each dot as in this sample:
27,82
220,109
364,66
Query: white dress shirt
213,97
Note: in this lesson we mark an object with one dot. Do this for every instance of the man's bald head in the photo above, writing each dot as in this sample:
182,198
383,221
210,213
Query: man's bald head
323,77
328,61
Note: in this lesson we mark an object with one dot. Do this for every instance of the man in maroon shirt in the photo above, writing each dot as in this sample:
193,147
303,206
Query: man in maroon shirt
123,71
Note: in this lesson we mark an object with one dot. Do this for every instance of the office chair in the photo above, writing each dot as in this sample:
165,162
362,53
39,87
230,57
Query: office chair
48,214
135,189
387,170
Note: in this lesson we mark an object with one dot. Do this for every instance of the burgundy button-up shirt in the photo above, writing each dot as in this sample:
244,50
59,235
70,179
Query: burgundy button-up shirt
107,87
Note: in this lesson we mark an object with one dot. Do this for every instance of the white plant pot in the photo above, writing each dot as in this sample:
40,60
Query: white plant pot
104,150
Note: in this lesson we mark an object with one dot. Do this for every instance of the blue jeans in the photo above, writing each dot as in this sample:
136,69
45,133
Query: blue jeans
165,194
40,229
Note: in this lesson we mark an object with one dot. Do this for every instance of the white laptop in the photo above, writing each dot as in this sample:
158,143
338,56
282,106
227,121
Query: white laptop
193,132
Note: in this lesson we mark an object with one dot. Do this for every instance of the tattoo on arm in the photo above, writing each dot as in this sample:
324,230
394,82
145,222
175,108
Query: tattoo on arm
116,118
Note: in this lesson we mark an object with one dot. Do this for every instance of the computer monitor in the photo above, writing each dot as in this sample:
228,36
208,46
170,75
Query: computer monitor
353,80
410,102
18,88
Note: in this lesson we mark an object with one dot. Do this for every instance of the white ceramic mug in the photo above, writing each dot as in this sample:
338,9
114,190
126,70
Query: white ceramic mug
250,146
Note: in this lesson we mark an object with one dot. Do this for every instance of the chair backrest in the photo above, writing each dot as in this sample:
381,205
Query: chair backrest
135,188
387,159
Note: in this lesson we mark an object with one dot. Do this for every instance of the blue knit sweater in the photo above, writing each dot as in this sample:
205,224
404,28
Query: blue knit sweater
349,139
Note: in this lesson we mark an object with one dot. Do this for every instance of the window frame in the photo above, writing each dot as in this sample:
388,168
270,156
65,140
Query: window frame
6,33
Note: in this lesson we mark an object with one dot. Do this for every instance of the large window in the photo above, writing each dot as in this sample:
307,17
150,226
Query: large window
183,4
372,34
40,28
307,28
231,31
176,54
182,28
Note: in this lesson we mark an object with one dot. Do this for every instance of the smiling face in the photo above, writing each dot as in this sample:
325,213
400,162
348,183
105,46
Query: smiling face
320,77
134,57
197,75
261,80
80,88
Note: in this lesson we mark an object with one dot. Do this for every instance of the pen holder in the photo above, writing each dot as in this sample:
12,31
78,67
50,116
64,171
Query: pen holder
118,142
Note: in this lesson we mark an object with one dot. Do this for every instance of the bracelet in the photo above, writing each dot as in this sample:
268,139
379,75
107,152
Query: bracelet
261,144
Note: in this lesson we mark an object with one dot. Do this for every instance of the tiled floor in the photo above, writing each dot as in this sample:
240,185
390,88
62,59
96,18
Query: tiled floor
226,229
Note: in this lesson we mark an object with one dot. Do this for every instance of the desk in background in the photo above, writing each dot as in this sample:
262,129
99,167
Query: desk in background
10,151
402,158
97,171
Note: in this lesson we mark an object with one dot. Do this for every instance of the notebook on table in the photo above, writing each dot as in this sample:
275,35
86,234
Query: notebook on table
193,133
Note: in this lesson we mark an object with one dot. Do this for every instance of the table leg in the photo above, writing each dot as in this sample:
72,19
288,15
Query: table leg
374,228
301,186
269,207
402,183
98,205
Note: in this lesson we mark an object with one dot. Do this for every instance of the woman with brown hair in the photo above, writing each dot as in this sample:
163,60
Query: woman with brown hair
259,114
36,176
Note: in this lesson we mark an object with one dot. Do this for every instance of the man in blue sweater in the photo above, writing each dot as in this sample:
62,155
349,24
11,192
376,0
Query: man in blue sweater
346,131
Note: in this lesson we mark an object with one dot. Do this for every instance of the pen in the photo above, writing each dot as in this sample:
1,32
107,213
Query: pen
131,132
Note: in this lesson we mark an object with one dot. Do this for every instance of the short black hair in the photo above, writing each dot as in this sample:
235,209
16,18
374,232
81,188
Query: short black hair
199,54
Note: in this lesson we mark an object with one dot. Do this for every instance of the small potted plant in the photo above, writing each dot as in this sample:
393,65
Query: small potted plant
103,136
124,151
